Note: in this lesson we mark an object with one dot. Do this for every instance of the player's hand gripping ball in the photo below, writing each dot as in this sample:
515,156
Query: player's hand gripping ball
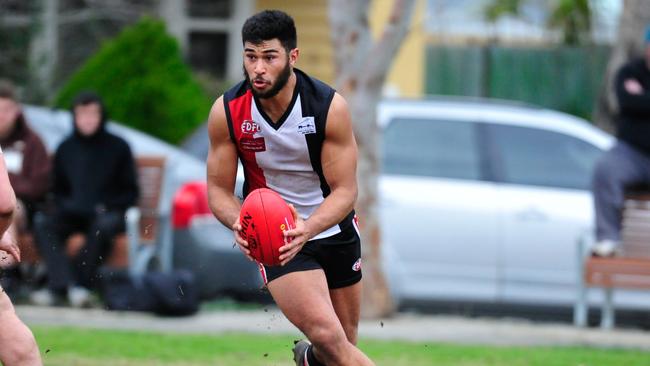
264,216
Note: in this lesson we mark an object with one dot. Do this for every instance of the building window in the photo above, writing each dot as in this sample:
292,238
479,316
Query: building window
208,52
18,7
209,9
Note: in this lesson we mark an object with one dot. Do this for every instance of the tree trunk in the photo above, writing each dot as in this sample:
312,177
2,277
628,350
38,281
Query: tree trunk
44,49
361,67
634,19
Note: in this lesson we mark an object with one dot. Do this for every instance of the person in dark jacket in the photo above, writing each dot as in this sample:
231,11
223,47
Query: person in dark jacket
27,161
628,162
94,182
28,166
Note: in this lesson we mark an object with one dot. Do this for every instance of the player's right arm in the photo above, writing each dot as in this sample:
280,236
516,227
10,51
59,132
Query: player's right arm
632,97
222,173
7,197
7,207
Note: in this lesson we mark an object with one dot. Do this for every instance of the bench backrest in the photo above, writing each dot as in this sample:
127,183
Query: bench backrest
635,234
150,170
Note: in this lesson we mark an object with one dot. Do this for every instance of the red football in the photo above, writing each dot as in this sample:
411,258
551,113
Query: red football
264,216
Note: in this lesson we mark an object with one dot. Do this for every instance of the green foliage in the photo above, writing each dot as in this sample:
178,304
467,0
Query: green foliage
498,8
144,82
573,17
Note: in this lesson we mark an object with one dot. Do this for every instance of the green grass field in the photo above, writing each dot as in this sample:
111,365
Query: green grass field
86,347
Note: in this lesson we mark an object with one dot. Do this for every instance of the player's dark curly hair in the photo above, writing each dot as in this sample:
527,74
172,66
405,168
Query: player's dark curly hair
270,24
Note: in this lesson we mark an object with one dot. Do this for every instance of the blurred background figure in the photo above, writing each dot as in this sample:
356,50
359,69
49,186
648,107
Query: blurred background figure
94,182
28,167
627,164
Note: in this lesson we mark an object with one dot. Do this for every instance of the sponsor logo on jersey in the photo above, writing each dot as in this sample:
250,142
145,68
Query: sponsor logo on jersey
250,127
256,144
357,265
307,126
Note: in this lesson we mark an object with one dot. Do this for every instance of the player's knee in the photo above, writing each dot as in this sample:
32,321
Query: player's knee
329,341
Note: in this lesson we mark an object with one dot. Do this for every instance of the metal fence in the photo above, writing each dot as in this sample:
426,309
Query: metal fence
563,78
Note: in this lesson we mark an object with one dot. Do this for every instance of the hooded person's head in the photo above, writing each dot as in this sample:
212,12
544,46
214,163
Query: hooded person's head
88,114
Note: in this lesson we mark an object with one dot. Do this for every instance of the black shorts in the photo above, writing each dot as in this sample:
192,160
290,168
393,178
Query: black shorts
339,256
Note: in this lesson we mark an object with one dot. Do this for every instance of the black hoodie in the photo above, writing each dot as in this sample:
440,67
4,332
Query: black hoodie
634,110
93,173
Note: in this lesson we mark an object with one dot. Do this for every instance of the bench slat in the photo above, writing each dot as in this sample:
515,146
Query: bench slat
618,272
150,177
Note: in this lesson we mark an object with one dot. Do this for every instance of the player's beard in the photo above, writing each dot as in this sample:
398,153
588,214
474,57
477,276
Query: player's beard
279,83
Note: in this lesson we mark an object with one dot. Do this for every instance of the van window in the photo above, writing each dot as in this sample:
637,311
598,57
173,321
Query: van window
539,157
432,148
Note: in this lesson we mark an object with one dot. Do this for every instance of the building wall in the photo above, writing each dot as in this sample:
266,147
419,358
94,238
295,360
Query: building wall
313,28
181,26
406,77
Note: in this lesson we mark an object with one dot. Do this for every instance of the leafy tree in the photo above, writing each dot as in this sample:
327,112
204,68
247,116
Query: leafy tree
571,17
498,8
144,82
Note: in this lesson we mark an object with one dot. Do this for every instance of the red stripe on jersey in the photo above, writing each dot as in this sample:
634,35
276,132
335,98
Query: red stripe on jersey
240,112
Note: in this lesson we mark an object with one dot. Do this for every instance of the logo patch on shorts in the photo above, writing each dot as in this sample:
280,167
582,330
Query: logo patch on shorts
357,265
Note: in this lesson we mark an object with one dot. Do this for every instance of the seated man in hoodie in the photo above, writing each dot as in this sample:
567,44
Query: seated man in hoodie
94,182
28,167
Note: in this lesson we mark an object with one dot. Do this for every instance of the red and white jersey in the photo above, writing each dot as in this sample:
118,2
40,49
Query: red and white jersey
284,156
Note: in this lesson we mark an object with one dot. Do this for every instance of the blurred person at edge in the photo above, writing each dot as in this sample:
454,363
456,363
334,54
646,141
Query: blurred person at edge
94,182
17,344
628,162
28,166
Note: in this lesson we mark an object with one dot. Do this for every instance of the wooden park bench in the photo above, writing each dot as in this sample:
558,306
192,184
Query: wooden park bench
148,230
628,269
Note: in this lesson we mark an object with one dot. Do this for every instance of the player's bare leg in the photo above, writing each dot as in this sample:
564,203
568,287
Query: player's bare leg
347,305
17,344
304,299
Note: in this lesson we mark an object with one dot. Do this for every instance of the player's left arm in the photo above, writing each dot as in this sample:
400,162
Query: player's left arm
7,207
339,162
7,197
